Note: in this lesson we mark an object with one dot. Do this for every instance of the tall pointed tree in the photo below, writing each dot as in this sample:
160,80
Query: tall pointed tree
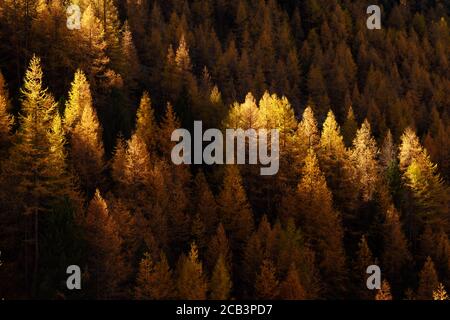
191,283
146,127
363,157
291,288
79,99
322,224
220,281
6,120
87,149
154,281
267,285
234,210
105,262
428,281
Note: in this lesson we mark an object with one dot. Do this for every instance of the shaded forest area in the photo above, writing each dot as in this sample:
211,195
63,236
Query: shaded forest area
86,118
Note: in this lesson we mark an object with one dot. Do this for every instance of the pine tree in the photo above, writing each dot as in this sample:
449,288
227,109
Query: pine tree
428,281
363,157
191,284
87,149
154,281
267,285
322,224
220,285
105,263
385,292
291,288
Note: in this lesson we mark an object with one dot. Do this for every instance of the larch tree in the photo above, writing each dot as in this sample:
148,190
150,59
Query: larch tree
87,151
440,293
218,246
307,136
396,257
168,124
334,160
146,127
130,66
39,147
429,192
79,99
291,288
363,157
105,261
428,281
154,281
364,259
94,47
321,223
205,207
108,15
6,120
267,285
191,283
234,209
220,284
385,292
350,127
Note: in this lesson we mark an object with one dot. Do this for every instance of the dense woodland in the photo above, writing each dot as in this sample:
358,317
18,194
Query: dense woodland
86,118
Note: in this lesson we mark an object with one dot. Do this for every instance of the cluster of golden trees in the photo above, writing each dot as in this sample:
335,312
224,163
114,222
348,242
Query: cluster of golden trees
142,227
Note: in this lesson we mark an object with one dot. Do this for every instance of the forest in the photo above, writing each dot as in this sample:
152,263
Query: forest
86,177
